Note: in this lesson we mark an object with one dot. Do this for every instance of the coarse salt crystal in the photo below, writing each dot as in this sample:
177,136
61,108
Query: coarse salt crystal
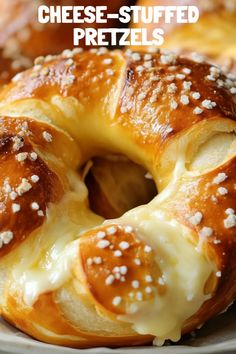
103,244
206,232
47,136
116,300
124,245
196,218
221,177
15,207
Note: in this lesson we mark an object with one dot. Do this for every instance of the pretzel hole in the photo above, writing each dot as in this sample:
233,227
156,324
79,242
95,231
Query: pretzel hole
116,185
213,152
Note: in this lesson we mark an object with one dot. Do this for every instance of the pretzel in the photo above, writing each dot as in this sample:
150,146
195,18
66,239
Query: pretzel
212,35
23,38
68,276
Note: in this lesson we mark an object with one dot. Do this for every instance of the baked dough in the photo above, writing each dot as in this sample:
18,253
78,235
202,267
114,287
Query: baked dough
70,277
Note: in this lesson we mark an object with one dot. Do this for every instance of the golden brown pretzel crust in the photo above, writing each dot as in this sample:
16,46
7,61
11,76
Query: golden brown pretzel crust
47,190
224,253
167,112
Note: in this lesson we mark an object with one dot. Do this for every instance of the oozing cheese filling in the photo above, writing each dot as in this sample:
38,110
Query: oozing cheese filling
43,263
185,272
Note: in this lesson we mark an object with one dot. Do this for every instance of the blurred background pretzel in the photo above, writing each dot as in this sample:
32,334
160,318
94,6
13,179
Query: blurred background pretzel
213,35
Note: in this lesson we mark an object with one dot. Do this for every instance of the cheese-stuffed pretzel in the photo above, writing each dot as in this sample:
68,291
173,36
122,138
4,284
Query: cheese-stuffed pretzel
72,278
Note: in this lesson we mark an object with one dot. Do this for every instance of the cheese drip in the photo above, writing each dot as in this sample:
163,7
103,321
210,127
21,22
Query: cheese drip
185,270
185,273
43,263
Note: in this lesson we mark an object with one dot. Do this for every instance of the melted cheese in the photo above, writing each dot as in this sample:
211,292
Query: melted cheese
184,267
50,275
170,190
43,263
55,246
184,270
214,152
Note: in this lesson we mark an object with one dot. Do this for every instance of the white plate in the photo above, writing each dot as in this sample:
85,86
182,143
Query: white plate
217,336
